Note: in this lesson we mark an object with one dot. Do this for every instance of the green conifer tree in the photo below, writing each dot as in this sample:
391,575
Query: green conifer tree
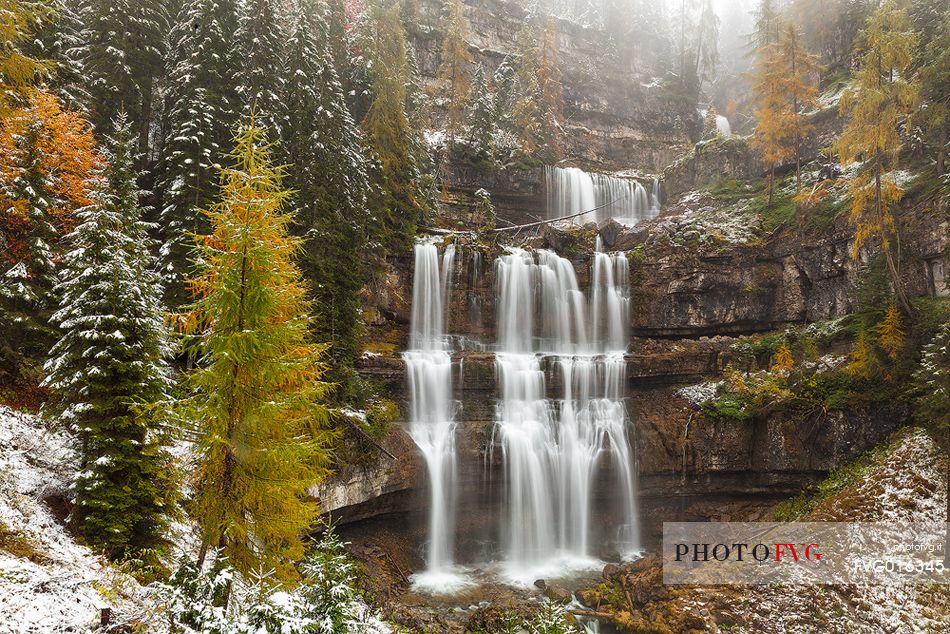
110,358
453,69
259,45
483,117
122,50
200,111
261,436
935,90
389,132
329,183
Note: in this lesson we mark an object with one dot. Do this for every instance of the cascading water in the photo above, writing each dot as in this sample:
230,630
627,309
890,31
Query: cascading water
553,449
722,125
571,190
432,409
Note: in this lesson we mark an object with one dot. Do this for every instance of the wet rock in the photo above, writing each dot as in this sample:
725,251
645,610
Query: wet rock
611,571
540,584
610,231
710,162
558,593
559,240
588,597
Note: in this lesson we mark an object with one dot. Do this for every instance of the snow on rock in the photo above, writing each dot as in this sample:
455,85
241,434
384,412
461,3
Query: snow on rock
699,393
61,586
697,217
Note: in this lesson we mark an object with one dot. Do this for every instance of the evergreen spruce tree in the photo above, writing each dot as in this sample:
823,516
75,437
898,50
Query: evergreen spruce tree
453,69
26,286
59,39
389,133
767,25
935,90
48,155
259,44
111,358
199,116
329,183
882,96
122,50
255,404
550,94
525,90
483,117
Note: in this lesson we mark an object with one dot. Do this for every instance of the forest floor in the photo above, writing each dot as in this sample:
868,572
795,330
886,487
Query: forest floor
49,582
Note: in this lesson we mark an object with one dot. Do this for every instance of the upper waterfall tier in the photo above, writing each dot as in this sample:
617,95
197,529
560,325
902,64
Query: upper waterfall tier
571,191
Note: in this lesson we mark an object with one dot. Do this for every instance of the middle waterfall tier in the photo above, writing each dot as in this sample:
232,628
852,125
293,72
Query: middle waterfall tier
553,449
571,191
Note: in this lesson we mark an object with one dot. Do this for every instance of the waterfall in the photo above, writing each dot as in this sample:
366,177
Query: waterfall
552,449
571,190
722,125
431,407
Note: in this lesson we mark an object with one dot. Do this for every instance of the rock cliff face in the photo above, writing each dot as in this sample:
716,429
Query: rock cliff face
691,302
613,117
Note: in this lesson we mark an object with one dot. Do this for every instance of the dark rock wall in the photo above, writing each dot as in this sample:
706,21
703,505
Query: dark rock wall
614,117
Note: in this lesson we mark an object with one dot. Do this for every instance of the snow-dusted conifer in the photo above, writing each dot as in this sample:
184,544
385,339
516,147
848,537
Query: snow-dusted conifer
321,141
259,42
48,154
199,117
59,40
110,359
483,117
122,49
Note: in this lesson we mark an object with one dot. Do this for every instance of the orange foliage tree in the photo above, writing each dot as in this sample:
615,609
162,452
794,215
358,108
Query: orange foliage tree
47,156
784,89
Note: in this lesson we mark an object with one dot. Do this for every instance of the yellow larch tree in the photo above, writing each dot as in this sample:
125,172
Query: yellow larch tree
19,20
784,361
882,97
892,336
256,396
784,88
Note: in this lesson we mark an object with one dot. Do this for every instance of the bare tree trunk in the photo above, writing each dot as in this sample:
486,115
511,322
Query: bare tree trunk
942,151
892,269
771,182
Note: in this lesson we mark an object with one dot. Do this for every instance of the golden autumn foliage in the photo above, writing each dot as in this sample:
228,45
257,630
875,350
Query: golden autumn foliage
784,88
862,358
19,19
784,362
892,336
56,145
260,426
882,97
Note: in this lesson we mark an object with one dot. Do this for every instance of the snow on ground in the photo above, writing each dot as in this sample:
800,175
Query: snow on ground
699,393
63,585
696,217
909,484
